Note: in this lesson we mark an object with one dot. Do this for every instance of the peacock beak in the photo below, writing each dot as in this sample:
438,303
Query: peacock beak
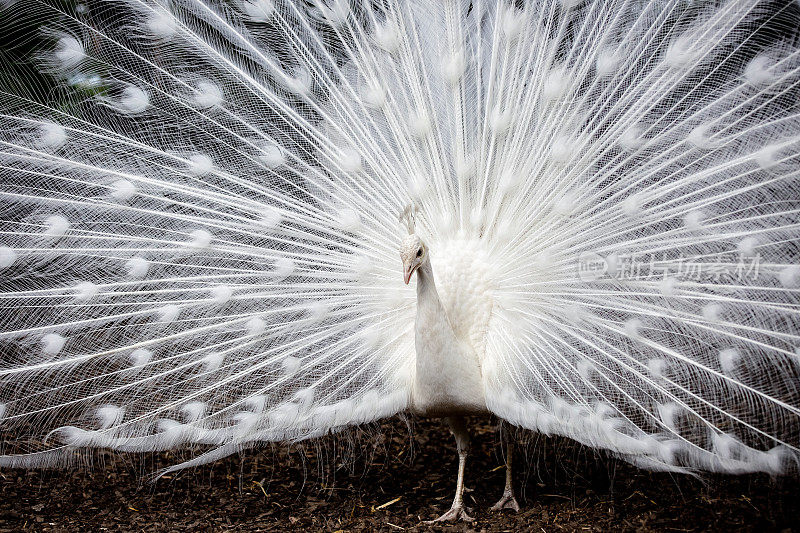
408,270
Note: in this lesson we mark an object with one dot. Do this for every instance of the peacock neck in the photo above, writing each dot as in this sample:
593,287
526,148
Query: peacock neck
428,304
426,287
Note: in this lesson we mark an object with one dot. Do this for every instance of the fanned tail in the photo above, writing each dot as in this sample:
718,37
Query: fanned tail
650,301
199,245
196,246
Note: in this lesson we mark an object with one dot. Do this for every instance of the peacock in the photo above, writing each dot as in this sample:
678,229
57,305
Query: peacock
232,222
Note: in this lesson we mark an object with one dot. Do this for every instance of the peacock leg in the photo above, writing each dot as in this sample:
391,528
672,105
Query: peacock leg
458,428
507,500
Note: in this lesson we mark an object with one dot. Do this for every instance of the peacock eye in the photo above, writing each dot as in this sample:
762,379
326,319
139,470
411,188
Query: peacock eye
419,252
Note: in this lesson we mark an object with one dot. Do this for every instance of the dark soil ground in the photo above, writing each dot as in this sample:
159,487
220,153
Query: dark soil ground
390,479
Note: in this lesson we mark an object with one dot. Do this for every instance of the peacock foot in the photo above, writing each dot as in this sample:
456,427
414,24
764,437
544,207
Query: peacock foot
507,501
455,514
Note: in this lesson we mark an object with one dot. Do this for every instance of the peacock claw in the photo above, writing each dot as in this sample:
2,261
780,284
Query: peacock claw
453,515
508,501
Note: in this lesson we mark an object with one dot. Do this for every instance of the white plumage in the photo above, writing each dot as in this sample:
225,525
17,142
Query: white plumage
200,247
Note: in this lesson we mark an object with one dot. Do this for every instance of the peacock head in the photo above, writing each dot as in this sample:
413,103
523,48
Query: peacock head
413,254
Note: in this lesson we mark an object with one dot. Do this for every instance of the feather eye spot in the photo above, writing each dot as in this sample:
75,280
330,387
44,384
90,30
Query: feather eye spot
122,190
556,84
137,267
509,180
336,12
272,156
139,358
632,328
317,312
585,369
200,165
53,343
299,82
258,10
270,218
193,412
256,326
464,168
373,96
221,294
500,120
212,361
371,337
632,205
725,444
207,95
575,313
168,313
284,267
632,138
350,160
199,239
789,276
667,285
161,24
85,291
256,403
56,226
656,367
109,415
418,187
669,413
700,137
420,124
613,265
170,432
290,365
607,63
453,67
712,312
349,220
7,257
132,100
565,205
284,415
512,22
68,52
747,246
767,157
562,149
694,219
728,360
387,36
758,71
360,266
304,397
52,136
681,53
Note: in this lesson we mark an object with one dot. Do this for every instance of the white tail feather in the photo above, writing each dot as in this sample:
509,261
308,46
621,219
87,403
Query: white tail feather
202,249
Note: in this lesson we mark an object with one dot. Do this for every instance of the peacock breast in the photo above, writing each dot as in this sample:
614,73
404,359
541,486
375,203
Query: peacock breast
466,282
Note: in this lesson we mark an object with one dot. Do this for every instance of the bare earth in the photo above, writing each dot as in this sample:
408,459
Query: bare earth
390,480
